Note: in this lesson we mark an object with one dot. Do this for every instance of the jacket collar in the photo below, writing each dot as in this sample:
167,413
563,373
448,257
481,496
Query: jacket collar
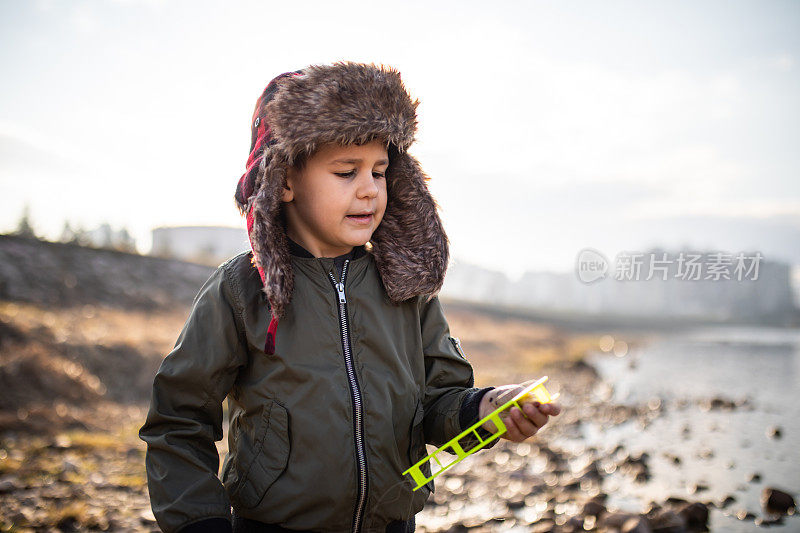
298,251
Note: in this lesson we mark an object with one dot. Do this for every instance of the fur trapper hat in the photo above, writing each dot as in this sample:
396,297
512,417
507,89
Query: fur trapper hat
344,103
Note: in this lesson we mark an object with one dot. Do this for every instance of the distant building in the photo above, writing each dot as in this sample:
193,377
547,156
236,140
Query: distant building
210,245
768,298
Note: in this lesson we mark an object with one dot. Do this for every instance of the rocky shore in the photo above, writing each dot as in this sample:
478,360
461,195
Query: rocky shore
545,484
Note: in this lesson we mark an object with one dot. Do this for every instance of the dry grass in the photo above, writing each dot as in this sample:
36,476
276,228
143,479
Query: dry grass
96,325
504,350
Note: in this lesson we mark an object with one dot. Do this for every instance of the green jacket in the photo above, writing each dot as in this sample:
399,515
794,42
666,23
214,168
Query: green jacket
321,431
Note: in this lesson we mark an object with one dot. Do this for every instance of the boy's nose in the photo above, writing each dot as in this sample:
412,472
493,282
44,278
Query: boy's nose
366,185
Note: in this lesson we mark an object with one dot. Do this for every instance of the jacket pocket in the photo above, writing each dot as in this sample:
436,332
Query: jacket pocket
261,457
417,450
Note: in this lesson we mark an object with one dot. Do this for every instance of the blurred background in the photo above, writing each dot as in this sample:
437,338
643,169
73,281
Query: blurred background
583,155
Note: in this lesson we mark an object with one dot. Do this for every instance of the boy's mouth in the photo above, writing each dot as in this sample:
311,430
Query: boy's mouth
361,218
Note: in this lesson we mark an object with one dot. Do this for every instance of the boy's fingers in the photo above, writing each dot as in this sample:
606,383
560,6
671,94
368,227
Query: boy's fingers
535,415
552,408
525,426
513,432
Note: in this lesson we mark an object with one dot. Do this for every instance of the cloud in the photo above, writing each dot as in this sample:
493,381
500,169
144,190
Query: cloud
21,159
783,62
83,19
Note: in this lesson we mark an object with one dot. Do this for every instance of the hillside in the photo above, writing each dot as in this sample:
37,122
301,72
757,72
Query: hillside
82,330
66,275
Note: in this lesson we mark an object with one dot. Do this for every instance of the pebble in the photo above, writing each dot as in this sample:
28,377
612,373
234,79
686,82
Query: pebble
726,502
668,521
695,515
593,508
637,524
743,514
8,485
774,432
776,501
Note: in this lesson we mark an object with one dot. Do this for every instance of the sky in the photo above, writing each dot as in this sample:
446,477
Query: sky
545,127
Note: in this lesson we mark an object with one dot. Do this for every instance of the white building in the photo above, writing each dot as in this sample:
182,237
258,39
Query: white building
209,245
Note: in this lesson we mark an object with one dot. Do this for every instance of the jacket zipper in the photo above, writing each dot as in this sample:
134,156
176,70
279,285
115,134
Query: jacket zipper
355,392
457,343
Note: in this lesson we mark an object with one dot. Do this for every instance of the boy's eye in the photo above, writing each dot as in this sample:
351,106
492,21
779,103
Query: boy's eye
352,173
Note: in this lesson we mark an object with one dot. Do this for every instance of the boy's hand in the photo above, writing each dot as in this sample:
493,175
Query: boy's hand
520,424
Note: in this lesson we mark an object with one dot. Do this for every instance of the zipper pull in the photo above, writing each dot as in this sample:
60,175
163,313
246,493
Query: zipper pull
457,343
340,290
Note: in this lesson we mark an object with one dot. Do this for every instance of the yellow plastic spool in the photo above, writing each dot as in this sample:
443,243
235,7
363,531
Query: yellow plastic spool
535,391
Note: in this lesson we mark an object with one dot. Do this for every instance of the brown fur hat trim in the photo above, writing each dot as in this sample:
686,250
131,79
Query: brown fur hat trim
345,103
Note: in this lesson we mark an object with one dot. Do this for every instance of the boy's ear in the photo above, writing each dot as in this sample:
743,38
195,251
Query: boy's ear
288,191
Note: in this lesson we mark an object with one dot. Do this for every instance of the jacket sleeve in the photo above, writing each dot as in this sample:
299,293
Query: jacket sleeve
449,380
185,416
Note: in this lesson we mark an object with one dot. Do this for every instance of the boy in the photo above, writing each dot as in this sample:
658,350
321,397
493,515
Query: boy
348,253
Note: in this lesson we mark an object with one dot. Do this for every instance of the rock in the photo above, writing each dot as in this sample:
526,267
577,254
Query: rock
515,504
641,459
8,484
672,458
61,442
573,525
697,487
719,403
743,514
68,523
593,508
776,501
146,517
590,472
667,521
637,524
755,477
543,526
704,454
695,515
615,519
20,519
69,466
774,432
727,501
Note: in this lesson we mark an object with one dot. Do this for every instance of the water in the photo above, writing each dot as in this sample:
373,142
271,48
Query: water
719,448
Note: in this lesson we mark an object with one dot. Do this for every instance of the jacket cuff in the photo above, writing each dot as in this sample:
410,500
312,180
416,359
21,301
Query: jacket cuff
209,525
470,414
470,407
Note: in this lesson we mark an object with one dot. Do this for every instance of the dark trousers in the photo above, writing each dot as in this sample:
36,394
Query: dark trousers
245,525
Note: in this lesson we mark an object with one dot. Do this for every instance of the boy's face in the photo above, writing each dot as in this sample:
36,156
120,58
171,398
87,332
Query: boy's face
323,200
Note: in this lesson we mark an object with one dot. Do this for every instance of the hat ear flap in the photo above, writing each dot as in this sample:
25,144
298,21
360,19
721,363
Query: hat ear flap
410,246
268,234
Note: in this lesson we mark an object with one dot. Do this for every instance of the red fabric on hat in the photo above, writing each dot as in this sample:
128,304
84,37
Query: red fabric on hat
260,136
272,330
